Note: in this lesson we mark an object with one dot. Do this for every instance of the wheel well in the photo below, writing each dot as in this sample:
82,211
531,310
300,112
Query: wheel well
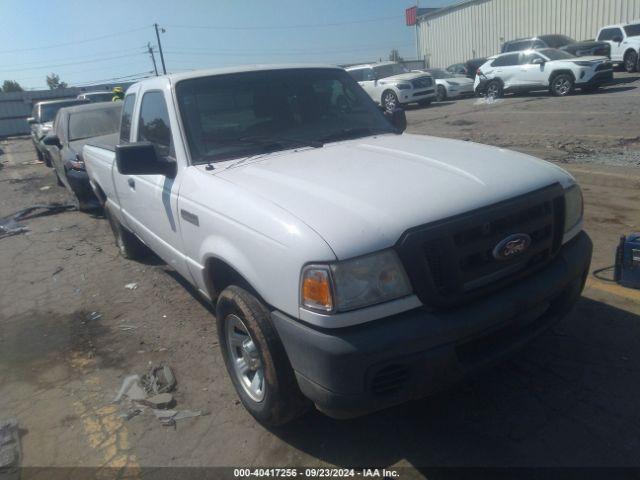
630,50
219,275
559,72
102,197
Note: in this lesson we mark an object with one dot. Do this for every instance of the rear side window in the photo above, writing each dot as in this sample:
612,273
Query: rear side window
506,60
357,75
518,46
609,34
125,119
632,30
154,124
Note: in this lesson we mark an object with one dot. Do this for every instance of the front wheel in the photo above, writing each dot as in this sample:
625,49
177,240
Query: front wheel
256,360
389,100
442,93
562,85
631,62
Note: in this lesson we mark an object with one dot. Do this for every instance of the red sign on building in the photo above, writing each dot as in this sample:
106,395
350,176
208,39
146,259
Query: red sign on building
411,15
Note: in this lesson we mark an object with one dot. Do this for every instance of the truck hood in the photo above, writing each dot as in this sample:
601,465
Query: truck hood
361,195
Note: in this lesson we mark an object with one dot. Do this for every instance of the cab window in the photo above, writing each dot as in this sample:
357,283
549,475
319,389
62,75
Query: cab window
507,60
608,34
154,126
125,119
357,75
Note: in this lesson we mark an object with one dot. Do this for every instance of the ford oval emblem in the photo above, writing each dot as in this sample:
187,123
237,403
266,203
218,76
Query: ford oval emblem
512,246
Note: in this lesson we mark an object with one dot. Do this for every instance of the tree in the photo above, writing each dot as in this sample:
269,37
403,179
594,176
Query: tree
53,81
394,56
11,86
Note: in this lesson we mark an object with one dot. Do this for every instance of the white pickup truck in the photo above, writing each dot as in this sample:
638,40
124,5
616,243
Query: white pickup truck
353,266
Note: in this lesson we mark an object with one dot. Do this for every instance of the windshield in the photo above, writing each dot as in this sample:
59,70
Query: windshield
241,114
518,46
439,74
94,123
553,54
384,71
48,111
632,30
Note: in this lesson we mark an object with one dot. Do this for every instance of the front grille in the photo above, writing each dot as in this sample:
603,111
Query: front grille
422,82
451,261
389,379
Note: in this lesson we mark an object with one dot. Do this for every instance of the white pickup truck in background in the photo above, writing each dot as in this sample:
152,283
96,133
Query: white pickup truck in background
353,266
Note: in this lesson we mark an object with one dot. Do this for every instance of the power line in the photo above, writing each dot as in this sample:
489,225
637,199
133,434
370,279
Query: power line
84,57
75,72
276,53
288,27
128,78
86,40
72,63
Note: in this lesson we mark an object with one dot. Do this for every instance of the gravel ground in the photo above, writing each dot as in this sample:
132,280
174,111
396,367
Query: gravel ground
569,399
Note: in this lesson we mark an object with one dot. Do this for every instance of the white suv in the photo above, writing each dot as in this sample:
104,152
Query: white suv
625,44
390,84
555,70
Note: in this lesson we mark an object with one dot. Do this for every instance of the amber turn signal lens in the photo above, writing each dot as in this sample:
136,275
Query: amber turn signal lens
316,289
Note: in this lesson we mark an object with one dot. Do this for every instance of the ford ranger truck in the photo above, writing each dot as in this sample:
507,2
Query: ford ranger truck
353,266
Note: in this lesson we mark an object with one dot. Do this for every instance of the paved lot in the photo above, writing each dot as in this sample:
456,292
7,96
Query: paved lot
569,399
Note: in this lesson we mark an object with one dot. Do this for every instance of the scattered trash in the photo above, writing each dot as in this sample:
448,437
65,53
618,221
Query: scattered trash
131,286
10,452
160,379
489,100
126,328
46,187
152,390
57,271
130,414
9,226
94,316
161,401
131,388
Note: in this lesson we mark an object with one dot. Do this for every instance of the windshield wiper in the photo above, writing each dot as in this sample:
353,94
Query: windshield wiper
349,133
269,143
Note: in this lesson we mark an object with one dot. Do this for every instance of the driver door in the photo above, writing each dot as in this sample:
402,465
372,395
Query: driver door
370,84
533,72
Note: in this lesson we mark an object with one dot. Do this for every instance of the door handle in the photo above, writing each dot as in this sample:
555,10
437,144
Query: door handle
132,183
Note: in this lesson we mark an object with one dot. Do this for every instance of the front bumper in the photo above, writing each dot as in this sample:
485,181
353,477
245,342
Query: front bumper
412,96
353,371
599,78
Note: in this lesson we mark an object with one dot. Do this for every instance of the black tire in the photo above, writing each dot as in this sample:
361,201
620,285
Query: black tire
282,400
39,155
424,103
562,85
58,181
441,93
631,62
389,100
495,89
128,244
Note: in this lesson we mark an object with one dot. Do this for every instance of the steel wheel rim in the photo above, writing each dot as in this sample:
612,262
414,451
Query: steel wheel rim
244,358
390,101
630,62
492,90
562,86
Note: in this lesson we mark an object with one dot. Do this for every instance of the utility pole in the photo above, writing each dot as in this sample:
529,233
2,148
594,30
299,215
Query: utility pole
164,69
153,58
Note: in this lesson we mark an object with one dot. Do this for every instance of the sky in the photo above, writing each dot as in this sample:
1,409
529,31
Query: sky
95,41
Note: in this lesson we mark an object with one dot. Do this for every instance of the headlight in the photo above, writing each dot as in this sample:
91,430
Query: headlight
403,86
353,284
573,208
583,64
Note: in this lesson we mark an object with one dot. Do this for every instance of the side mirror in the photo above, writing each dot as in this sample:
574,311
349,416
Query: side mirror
52,140
397,118
617,39
31,120
142,159
538,61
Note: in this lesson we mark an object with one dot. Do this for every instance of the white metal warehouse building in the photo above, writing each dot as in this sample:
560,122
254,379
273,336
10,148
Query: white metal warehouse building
477,28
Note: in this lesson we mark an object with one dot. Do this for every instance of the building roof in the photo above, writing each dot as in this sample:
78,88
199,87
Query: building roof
436,12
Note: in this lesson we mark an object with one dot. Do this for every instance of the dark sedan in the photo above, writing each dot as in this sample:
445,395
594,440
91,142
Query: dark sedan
562,42
73,128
